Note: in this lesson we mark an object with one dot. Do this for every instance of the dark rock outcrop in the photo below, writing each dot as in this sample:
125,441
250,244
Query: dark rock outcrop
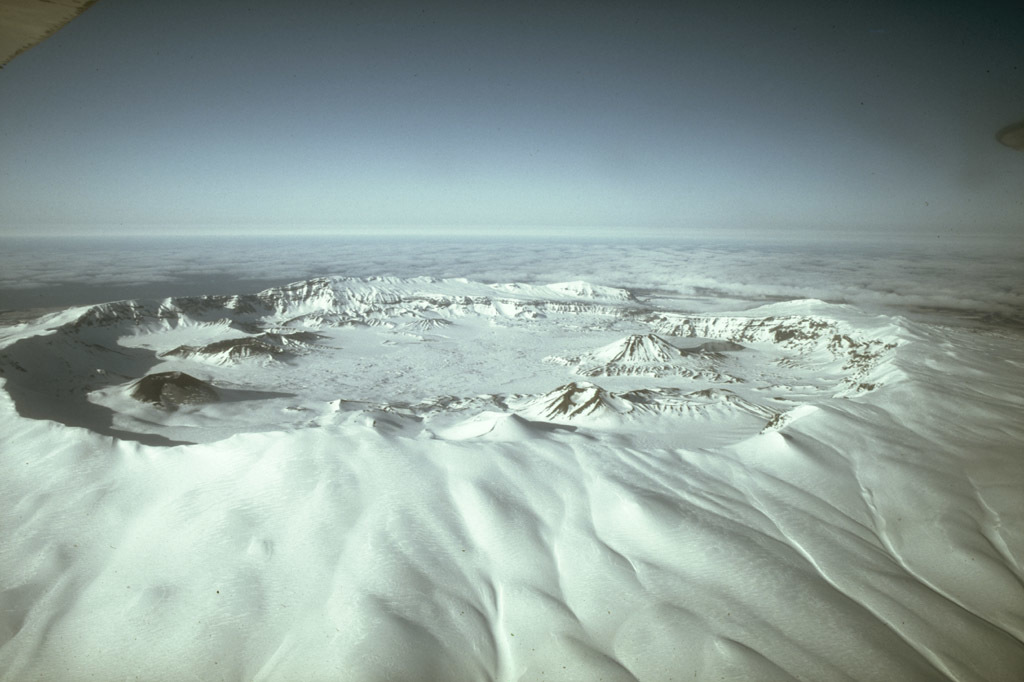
171,389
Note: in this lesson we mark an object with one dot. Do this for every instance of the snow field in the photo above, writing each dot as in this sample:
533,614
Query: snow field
369,511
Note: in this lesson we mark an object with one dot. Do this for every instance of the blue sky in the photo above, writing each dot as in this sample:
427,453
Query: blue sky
514,117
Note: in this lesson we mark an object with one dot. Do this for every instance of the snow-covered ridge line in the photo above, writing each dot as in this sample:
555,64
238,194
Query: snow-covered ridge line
808,328
361,296
797,324
587,402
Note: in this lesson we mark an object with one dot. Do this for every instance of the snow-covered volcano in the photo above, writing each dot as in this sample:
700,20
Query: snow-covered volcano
426,341
389,478
651,355
638,348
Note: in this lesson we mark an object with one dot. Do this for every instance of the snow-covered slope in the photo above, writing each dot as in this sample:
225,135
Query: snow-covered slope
390,478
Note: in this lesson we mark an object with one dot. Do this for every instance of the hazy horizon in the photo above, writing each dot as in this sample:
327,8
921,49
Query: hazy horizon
649,118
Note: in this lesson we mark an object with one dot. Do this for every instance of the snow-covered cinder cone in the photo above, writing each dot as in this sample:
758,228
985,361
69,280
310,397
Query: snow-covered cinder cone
638,349
574,401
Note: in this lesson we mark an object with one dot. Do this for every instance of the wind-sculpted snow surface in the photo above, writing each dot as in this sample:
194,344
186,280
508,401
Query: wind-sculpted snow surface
416,479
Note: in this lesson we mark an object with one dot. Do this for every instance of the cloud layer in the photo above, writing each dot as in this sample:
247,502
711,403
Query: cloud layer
968,277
